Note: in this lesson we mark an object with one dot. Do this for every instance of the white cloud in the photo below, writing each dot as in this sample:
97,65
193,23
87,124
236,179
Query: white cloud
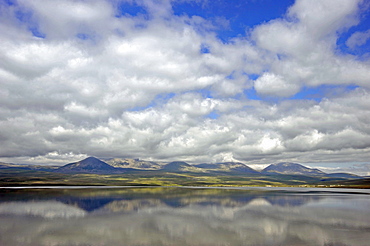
305,44
358,39
268,144
274,85
65,19
323,18
306,141
141,87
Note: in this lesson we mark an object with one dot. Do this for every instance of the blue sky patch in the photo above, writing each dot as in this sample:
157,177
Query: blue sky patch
10,2
252,94
36,32
206,93
23,16
322,91
158,100
213,115
253,76
125,9
82,36
204,49
241,14
363,26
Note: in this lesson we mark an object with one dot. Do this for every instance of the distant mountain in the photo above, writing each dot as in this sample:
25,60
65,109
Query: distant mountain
343,175
93,165
13,166
138,172
89,165
3,164
237,167
208,165
291,168
176,166
364,182
133,163
26,167
228,167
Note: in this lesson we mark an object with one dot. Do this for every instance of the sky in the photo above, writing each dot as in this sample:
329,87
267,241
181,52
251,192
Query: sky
254,81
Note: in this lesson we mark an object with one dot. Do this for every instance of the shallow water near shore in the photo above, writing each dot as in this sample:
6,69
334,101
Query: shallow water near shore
183,216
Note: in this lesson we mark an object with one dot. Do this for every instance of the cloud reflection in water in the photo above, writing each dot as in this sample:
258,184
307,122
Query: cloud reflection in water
193,217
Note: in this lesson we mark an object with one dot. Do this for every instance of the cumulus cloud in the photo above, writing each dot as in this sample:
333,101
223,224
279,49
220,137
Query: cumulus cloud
305,45
78,78
358,39
274,85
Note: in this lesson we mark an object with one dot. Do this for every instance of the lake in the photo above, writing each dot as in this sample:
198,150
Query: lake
183,216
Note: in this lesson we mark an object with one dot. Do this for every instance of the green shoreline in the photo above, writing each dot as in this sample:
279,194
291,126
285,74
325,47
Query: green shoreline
40,178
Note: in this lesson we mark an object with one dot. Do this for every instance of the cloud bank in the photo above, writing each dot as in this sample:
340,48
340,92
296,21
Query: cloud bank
133,79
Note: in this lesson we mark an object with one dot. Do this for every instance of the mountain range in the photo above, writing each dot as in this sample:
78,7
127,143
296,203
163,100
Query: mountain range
115,166
136,172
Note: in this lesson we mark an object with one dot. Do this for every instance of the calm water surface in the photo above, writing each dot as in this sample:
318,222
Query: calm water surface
184,216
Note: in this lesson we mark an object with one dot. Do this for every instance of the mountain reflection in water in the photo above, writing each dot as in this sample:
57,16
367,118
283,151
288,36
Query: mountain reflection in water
183,216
